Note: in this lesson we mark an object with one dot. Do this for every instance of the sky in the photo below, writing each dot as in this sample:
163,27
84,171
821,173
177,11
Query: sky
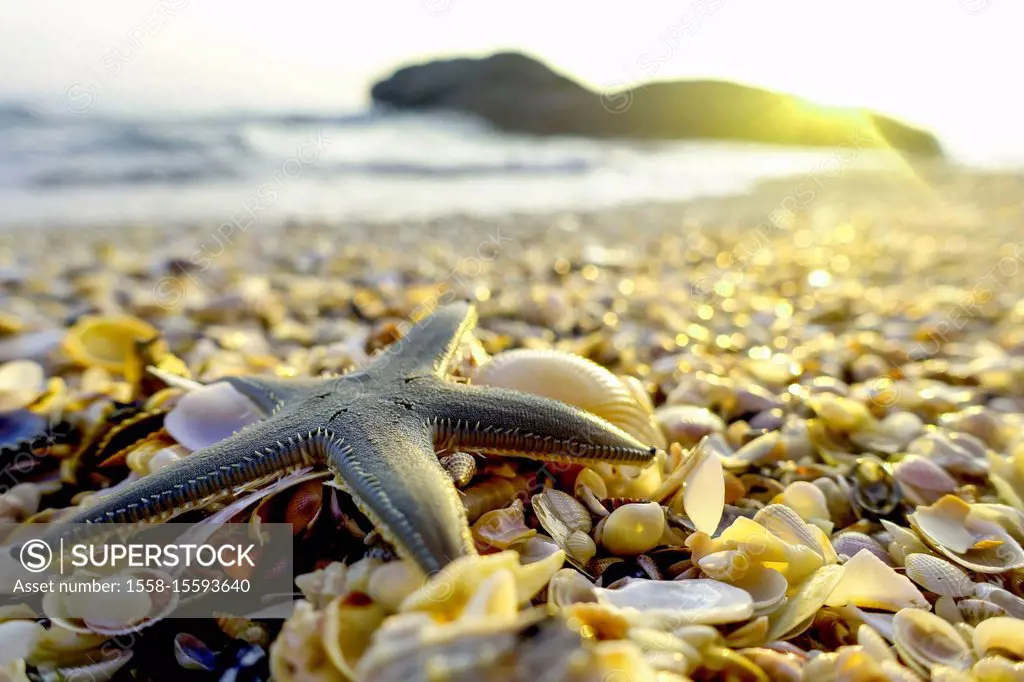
950,65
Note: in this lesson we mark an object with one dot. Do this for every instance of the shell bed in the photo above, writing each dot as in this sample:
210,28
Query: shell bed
837,404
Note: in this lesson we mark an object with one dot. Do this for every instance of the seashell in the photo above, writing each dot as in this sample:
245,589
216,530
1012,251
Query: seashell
807,500
603,620
536,548
674,603
633,529
904,542
448,591
761,450
298,652
890,435
802,606
750,634
949,451
323,584
848,543
997,669
778,666
923,640
461,466
493,492
192,654
966,537
574,380
921,480
567,587
18,639
687,424
869,583
938,575
565,519
874,644
1009,602
502,528
21,382
785,524
580,547
840,413
208,415
947,610
348,626
978,421
109,342
592,481
703,496
999,636
766,586
975,611
391,583
874,489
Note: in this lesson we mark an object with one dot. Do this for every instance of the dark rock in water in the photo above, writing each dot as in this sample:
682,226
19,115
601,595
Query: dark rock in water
516,93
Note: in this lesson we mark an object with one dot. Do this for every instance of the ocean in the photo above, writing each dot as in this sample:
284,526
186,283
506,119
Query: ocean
362,165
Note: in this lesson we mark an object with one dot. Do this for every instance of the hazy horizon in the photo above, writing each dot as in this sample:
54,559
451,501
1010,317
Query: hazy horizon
938,65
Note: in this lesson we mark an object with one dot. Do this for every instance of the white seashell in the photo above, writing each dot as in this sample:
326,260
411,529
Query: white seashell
999,636
869,583
574,380
633,529
21,382
766,586
1007,601
704,492
687,424
208,415
922,481
848,543
670,604
18,638
568,586
924,640
938,575
580,547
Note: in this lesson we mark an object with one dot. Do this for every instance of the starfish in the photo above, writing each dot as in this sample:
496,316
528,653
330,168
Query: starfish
379,430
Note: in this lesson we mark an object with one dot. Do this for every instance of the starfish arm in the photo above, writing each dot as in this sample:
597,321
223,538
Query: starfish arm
261,450
270,394
428,347
390,469
498,421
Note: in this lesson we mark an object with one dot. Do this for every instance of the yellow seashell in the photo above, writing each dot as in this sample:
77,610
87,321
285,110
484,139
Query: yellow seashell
633,529
110,342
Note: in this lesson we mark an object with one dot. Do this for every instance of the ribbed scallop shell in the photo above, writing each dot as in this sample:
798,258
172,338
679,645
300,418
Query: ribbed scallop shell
938,576
574,380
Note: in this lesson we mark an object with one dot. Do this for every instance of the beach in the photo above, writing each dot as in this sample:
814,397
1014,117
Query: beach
807,333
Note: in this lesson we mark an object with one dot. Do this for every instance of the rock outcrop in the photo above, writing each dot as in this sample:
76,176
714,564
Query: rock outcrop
516,93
